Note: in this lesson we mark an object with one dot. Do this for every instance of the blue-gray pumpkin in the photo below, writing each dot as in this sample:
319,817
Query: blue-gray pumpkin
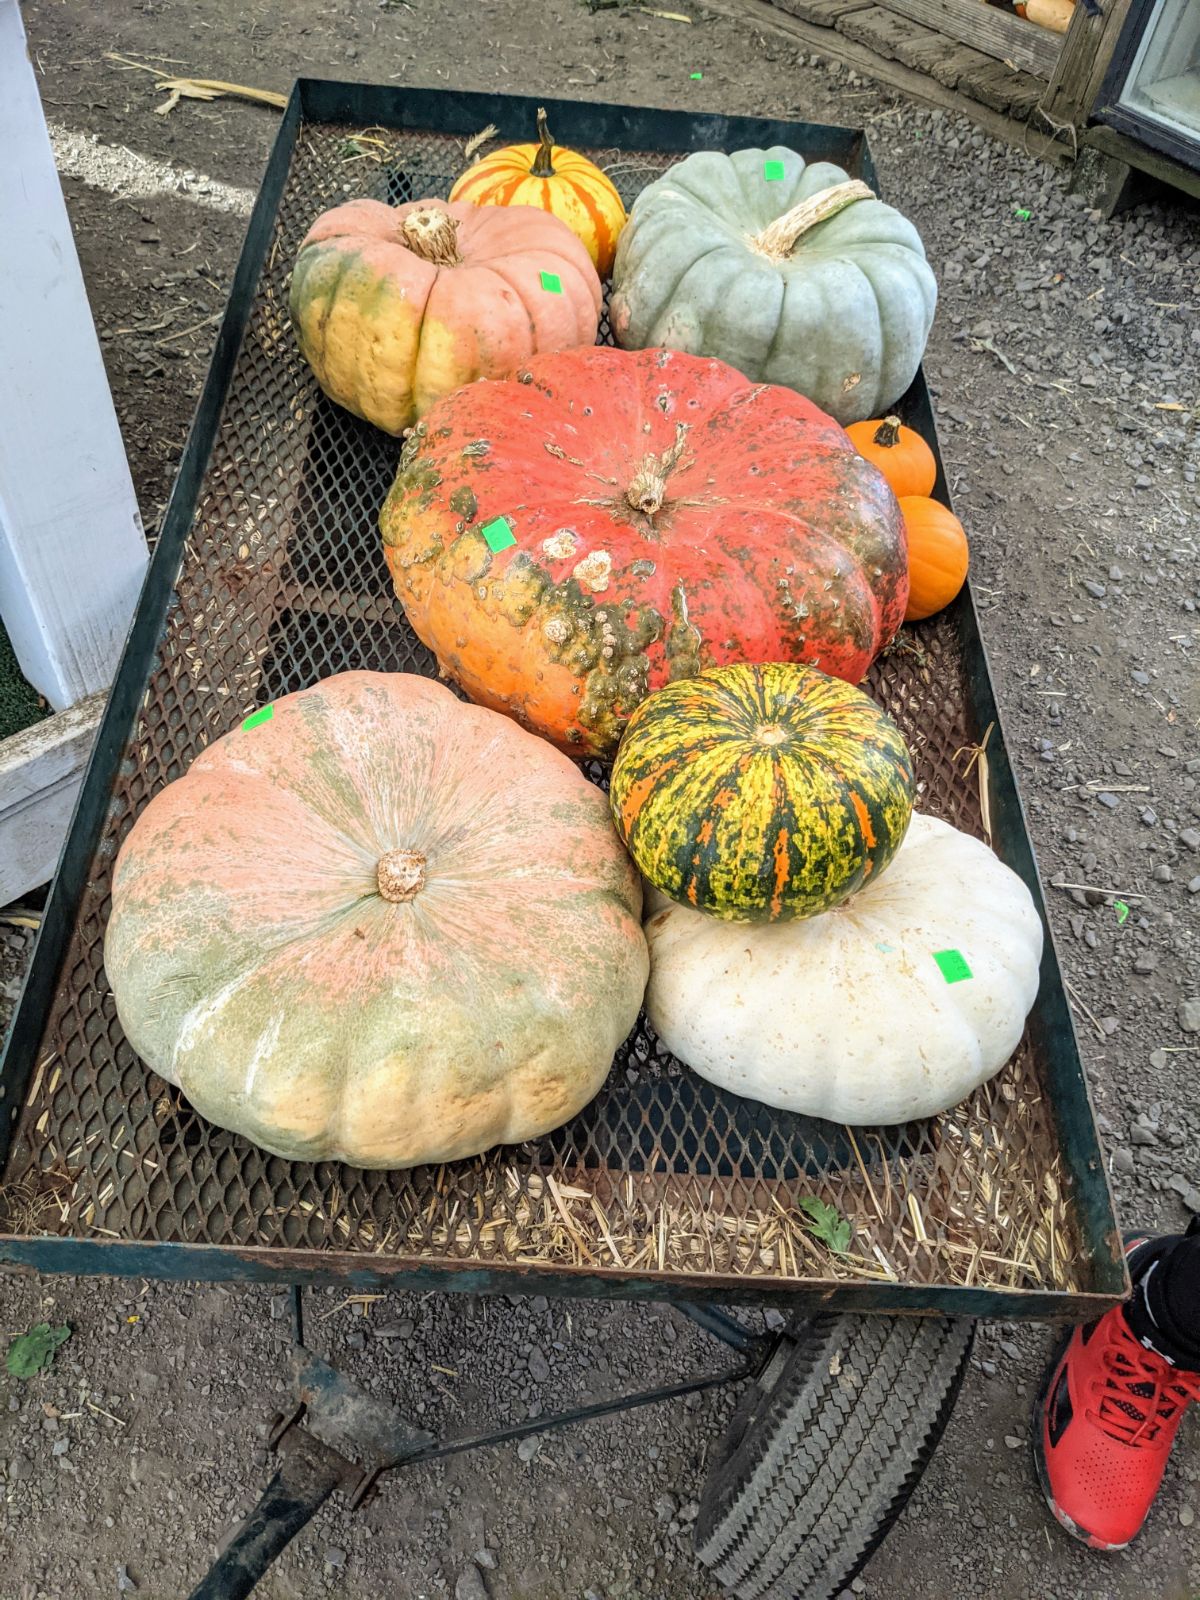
793,273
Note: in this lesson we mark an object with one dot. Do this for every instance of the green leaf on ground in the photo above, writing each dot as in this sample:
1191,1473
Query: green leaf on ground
30,1352
827,1225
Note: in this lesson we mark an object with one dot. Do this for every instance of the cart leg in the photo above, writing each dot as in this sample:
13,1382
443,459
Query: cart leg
296,1298
306,1478
722,1326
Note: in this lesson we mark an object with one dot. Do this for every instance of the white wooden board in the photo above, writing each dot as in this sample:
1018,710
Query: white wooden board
40,773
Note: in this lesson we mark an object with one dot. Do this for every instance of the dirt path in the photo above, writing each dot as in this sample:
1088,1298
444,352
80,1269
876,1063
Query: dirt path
1063,360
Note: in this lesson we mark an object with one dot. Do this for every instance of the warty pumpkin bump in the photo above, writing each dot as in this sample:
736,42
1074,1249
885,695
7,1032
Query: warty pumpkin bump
395,306
806,279
382,927
606,522
761,793
558,180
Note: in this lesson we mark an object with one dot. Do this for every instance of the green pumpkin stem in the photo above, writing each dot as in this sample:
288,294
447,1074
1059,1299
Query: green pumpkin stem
887,434
779,238
543,166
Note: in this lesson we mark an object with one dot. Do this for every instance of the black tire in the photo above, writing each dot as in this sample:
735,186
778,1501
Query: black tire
824,1451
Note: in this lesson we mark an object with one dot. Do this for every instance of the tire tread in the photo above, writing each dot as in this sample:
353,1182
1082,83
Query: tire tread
812,1475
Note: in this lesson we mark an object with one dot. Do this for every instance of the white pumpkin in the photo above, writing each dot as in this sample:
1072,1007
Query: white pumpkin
894,1005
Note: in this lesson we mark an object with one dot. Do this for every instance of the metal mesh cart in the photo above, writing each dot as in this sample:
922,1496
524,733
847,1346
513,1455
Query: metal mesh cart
269,575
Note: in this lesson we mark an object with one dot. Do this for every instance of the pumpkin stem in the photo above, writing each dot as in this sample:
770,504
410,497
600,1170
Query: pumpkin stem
543,165
648,489
778,239
400,875
432,235
887,434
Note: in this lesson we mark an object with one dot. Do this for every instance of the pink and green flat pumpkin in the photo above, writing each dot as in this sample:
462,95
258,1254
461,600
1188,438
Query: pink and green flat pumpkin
379,926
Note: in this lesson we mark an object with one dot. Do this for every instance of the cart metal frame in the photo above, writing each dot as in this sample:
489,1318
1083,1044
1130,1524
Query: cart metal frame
338,1437
749,1157
66,1065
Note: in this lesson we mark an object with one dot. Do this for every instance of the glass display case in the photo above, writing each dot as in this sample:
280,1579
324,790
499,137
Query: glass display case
1152,89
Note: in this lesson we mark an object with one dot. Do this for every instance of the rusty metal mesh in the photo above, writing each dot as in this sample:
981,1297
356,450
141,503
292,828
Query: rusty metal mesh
283,582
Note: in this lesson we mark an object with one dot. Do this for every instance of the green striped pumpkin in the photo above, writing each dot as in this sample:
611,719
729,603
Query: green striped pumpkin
761,793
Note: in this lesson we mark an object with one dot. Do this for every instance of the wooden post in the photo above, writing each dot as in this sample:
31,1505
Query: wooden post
1083,61
72,550
1107,183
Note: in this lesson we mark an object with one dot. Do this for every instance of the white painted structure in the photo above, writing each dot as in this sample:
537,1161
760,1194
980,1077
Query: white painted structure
40,772
72,550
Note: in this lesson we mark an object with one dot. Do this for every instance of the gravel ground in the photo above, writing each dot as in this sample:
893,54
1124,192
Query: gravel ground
1063,362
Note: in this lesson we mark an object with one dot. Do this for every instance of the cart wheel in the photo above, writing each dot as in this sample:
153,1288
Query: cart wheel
824,1450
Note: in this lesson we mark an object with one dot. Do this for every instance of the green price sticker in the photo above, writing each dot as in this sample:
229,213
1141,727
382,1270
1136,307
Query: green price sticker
952,965
499,535
257,718
551,282
772,171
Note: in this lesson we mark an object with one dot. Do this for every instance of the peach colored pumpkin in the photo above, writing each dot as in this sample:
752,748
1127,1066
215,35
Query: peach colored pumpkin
381,926
1052,14
396,306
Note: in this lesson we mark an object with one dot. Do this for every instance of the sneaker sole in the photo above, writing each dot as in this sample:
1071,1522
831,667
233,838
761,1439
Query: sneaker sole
1041,1471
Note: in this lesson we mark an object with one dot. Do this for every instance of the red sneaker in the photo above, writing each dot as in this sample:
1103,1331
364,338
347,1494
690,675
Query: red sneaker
1107,1417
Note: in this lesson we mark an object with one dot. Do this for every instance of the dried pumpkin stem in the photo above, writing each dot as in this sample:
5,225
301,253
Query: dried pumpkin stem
543,163
648,489
887,434
432,235
779,238
400,875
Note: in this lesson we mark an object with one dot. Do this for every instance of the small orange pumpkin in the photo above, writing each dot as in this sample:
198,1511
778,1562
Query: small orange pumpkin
900,453
566,184
937,555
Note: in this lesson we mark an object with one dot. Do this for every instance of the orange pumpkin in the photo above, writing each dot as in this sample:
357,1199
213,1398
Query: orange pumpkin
937,555
900,453
396,306
1053,14
557,180
376,925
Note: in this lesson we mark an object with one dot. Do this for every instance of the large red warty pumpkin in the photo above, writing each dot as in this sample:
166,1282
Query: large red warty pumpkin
607,521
